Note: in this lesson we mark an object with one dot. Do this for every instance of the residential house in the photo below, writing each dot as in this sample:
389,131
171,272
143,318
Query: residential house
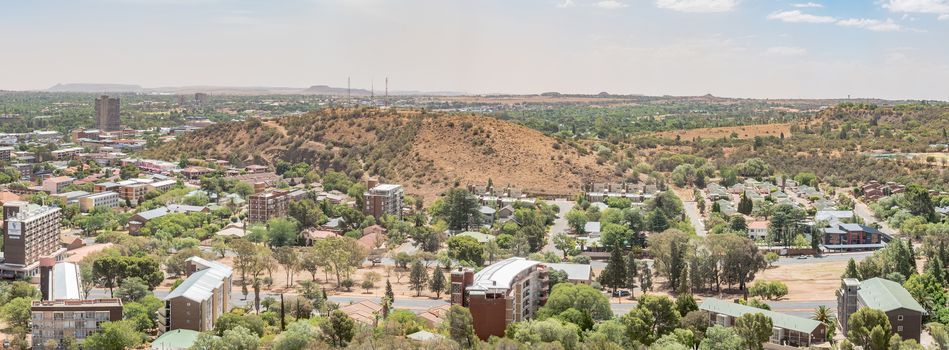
787,330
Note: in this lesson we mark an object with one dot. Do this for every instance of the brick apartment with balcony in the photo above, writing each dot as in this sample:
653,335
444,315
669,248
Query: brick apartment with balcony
508,291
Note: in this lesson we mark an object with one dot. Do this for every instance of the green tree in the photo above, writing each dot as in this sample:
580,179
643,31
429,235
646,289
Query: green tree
755,329
565,243
632,272
339,329
577,296
654,317
918,202
418,278
117,335
745,205
548,331
867,326
685,303
17,312
282,232
851,271
576,219
301,336
460,207
132,289
461,327
465,248
439,283
614,275
721,338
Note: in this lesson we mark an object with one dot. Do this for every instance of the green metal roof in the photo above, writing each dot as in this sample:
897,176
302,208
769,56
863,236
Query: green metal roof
175,340
886,295
779,320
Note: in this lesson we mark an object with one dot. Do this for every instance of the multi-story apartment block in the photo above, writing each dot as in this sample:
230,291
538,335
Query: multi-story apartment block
57,319
133,192
904,312
30,232
107,114
105,199
198,301
162,185
842,236
54,185
268,205
66,153
383,199
5,153
508,291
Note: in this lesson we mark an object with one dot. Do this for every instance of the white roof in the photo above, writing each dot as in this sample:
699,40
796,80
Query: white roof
201,285
832,215
64,282
500,275
575,272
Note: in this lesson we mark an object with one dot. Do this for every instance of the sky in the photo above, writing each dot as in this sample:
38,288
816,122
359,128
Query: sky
897,49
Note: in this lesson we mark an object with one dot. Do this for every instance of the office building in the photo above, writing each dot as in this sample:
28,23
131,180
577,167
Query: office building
5,153
30,231
198,301
383,199
107,114
904,312
268,205
508,291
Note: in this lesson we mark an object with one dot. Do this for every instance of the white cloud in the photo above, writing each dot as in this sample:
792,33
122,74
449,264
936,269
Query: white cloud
566,3
940,7
944,17
610,4
871,24
786,51
796,16
698,5
807,5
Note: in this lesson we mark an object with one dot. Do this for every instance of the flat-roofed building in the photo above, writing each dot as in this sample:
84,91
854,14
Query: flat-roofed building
5,153
383,199
264,206
107,113
198,301
71,197
30,231
66,153
133,193
904,312
508,291
106,199
786,329
78,319
55,185
137,221
163,185
105,186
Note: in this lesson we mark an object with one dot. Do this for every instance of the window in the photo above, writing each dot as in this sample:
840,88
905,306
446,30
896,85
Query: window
899,318
899,328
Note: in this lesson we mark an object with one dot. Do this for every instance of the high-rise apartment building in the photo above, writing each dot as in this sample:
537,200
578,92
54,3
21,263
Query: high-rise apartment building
107,114
508,291
30,231
383,199
268,205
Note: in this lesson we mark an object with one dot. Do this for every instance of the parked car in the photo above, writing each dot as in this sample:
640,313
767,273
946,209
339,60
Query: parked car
621,293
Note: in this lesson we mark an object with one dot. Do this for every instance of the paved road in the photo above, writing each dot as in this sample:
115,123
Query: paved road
865,213
560,224
695,217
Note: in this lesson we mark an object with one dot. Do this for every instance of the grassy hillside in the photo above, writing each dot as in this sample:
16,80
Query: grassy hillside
426,152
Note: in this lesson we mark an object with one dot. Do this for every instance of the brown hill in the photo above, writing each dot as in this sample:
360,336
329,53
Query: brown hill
426,152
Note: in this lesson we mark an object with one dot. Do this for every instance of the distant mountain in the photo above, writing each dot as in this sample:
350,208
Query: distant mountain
237,90
334,91
92,88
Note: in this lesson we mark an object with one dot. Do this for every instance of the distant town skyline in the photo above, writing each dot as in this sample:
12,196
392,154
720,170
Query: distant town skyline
890,49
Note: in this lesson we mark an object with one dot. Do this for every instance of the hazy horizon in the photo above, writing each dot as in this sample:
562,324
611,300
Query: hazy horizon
890,49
